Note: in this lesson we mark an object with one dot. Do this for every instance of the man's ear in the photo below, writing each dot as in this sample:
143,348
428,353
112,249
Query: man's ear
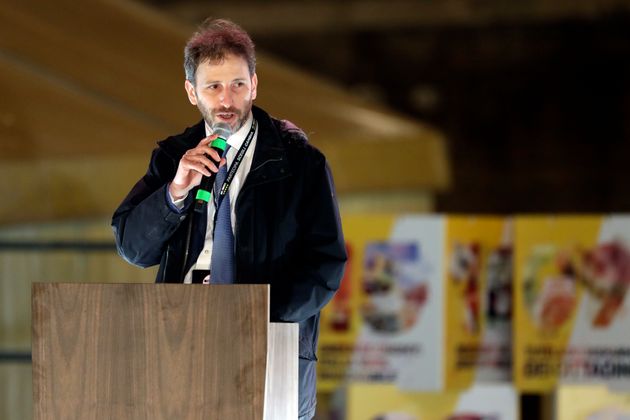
254,86
190,90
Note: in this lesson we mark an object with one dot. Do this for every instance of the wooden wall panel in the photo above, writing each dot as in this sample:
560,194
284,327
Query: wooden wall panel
20,268
16,393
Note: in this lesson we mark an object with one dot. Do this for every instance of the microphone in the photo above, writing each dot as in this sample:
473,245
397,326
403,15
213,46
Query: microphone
204,193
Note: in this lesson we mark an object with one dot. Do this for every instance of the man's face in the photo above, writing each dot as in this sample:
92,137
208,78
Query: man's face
223,91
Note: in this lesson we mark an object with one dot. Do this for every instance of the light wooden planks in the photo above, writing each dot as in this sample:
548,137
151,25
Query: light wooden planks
15,391
19,268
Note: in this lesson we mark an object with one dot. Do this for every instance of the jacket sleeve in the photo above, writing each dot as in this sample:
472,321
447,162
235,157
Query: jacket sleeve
318,272
145,221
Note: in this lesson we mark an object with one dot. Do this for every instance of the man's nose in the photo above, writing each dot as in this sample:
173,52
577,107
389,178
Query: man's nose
226,98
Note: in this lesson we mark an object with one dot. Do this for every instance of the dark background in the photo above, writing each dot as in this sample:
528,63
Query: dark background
533,97
537,116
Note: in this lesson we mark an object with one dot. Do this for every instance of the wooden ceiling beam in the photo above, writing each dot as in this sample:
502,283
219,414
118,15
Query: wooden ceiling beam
86,91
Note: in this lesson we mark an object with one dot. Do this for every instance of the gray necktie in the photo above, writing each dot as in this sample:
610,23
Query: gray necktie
222,263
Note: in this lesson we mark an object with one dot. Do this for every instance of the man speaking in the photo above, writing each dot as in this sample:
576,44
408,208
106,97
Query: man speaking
240,197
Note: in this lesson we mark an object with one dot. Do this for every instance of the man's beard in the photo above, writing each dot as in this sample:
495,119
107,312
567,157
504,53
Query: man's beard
241,116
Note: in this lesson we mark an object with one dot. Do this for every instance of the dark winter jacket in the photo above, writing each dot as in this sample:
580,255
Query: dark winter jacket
287,229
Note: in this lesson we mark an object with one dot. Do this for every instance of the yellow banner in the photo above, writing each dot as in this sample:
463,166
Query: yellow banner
549,260
386,402
386,323
591,402
478,283
340,321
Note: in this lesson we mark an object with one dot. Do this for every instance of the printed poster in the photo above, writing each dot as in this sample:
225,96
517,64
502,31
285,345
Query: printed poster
571,311
478,283
386,325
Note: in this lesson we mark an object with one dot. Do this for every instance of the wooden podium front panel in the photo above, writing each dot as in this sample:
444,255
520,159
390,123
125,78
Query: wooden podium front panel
147,351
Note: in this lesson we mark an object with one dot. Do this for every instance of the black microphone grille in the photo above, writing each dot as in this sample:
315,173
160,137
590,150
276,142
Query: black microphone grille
223,130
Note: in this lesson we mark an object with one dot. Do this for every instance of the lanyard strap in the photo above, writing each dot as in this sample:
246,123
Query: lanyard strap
237,162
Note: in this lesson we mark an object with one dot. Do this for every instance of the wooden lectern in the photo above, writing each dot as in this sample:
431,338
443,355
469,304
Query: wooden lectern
161,352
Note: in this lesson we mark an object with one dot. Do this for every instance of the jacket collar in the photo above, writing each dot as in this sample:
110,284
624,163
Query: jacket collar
269,142
270,157
175,146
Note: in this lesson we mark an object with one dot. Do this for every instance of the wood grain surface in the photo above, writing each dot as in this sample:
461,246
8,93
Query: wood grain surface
146,351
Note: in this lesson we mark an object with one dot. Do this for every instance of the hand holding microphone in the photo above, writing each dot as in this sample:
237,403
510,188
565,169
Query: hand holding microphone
198,166
219,144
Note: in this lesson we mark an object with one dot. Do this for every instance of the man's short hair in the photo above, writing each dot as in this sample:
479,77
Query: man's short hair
215,39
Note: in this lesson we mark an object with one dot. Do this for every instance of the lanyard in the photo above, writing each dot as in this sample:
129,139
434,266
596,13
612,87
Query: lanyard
235,165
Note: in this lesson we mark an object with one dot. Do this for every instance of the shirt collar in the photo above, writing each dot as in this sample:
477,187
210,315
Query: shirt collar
236,140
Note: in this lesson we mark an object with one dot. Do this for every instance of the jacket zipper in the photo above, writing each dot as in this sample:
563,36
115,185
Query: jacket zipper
168,250
186,249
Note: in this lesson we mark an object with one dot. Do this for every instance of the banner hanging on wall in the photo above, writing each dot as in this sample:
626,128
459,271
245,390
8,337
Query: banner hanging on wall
478,281
386,325
571,312
426,303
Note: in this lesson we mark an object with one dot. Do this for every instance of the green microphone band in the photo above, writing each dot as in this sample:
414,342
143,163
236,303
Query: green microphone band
219,143
203,195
